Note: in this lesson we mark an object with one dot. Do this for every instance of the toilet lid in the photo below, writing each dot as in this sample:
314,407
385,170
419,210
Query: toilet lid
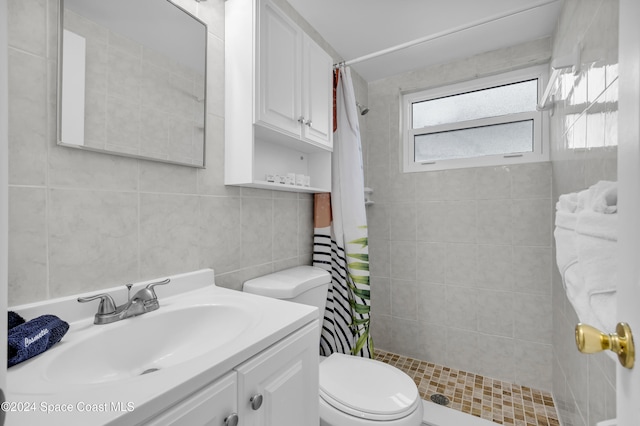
366,388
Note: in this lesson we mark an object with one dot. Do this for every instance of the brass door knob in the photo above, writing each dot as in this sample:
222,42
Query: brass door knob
591,340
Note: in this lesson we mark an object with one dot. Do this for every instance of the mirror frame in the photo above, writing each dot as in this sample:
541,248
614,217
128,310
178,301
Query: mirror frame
59,67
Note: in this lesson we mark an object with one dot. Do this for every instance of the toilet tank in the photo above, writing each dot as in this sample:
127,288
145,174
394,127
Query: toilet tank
302,284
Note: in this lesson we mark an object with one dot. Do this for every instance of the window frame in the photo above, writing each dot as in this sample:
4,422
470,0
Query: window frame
540,122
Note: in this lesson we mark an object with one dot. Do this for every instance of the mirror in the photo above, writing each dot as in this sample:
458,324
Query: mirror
132,79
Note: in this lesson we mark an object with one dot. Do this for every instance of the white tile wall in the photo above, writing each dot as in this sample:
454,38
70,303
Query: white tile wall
83,221
583,151
455,255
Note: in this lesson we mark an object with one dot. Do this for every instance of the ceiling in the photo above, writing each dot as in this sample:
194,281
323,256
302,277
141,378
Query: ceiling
454,29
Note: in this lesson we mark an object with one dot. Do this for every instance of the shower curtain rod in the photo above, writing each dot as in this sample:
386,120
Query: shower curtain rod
443,33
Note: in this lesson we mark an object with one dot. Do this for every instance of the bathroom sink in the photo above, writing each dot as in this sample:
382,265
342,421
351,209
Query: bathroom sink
147,343
150,362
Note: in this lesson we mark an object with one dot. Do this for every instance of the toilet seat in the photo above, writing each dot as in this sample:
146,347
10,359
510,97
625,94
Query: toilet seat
367,389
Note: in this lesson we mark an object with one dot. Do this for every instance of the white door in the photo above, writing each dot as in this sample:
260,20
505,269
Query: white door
4,210
628,381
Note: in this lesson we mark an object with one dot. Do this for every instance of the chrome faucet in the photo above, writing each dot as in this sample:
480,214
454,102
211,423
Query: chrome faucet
145,300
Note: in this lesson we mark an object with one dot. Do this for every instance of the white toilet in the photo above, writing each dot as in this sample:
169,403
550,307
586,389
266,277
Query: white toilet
354,391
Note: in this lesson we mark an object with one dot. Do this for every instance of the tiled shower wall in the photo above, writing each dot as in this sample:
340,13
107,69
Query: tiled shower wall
583,151
460,259
83,221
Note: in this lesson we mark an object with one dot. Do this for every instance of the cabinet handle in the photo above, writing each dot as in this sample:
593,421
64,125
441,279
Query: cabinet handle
232,420
256,401
301,119
308,123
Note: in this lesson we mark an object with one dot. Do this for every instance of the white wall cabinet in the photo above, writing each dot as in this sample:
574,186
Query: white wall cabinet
277,387
278,99
294,74
279,73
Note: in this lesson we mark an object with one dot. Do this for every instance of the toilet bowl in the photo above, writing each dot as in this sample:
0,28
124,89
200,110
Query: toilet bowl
359,391
353,391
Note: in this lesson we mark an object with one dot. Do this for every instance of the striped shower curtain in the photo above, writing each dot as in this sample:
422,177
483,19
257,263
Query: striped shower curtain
340,235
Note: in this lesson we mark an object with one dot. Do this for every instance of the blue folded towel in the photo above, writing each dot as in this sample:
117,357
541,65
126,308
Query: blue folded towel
34,337
14,320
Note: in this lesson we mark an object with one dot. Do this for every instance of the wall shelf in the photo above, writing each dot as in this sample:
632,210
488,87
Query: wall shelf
263,184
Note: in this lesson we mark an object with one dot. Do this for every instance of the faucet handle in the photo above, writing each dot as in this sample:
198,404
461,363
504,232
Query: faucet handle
107,305
152,285
148,294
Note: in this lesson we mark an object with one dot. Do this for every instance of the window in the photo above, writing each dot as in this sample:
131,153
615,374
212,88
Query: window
484,122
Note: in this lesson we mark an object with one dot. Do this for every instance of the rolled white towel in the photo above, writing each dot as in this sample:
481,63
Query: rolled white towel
597,225
586,240
596,240
601,197
573,279
597,309
564,233
566,249
567,203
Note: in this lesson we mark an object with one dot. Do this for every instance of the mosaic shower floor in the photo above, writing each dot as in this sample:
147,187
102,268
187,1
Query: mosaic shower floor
495,400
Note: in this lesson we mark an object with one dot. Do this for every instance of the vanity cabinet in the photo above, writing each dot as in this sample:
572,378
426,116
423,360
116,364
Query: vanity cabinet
277,387
210,406
278,99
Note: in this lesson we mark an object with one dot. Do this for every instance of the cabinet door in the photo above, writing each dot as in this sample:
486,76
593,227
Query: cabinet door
286,378
317,90
279,71
208,407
